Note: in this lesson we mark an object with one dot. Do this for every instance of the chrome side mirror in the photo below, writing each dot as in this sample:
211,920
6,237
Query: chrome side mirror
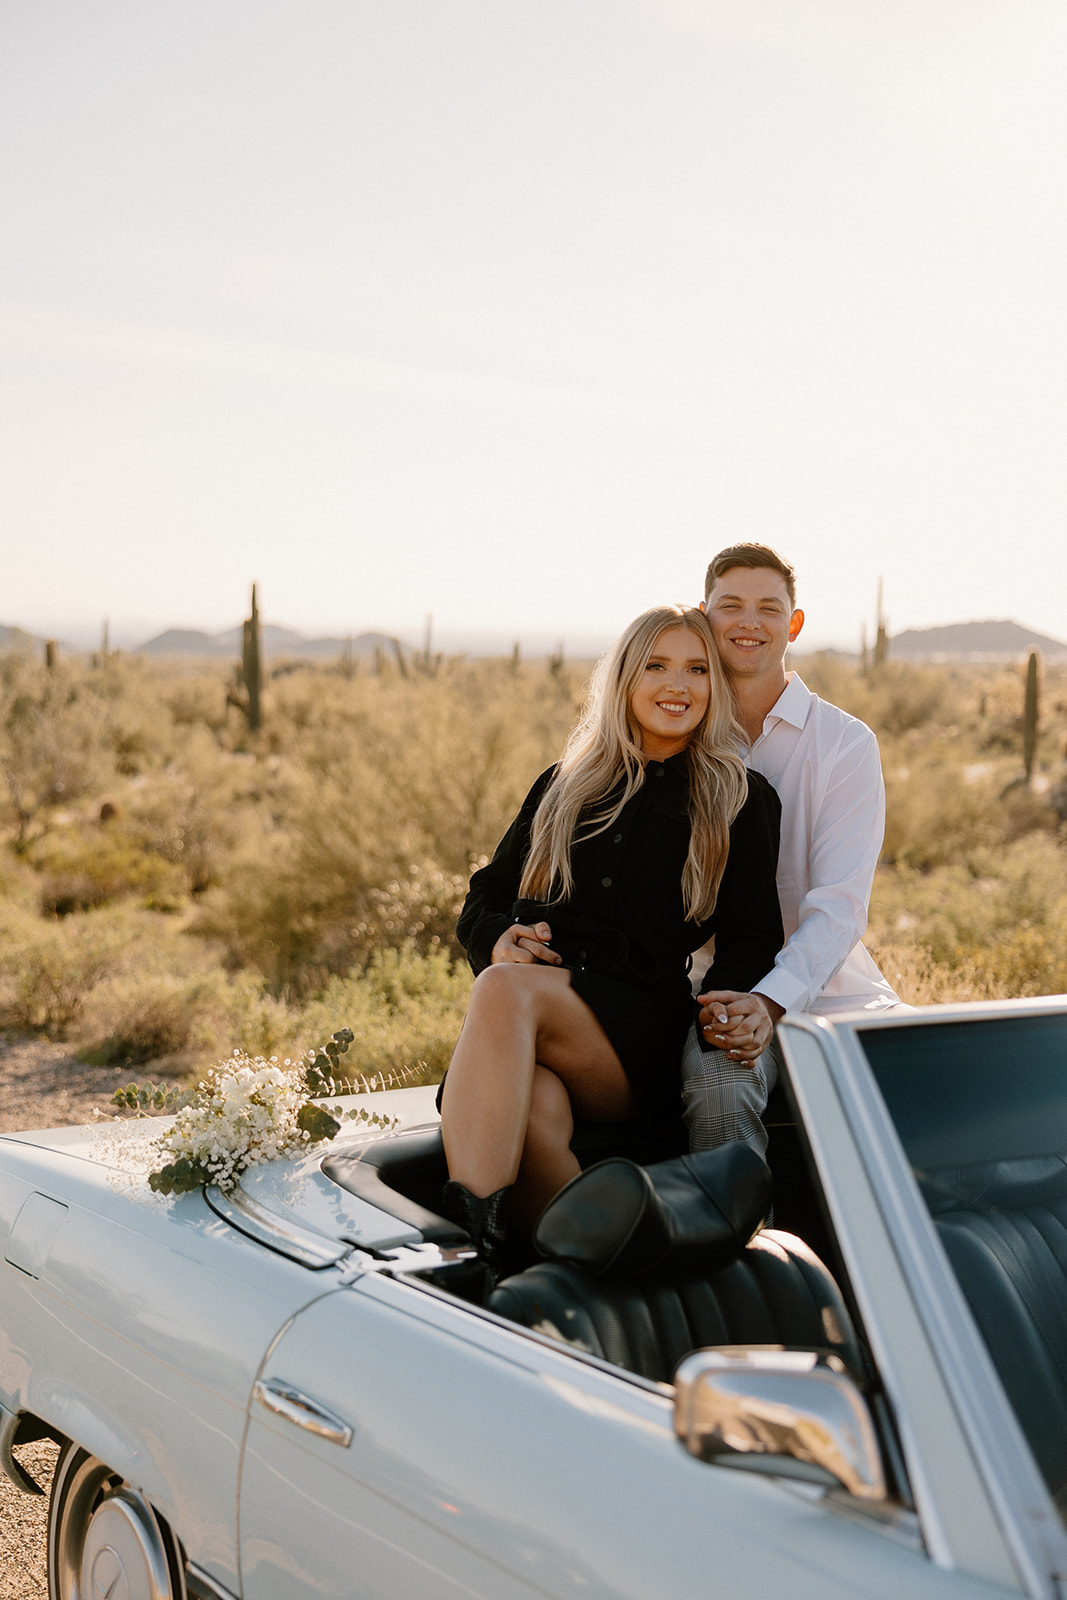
797,1405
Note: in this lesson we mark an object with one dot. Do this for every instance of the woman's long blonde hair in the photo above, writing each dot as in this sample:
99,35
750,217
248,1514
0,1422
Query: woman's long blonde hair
604,749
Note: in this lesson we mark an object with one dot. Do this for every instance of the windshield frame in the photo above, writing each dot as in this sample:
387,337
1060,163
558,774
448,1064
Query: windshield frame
866,1179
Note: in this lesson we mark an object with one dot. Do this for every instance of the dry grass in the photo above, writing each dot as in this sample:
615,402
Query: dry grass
171,888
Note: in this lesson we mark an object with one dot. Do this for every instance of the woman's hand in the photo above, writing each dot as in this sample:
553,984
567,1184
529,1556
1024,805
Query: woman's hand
741,1024
520,943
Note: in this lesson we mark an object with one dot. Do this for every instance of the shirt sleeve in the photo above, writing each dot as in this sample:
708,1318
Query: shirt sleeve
846,838
747,921
494,888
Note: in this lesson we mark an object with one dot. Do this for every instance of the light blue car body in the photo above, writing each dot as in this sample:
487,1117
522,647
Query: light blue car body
449,1453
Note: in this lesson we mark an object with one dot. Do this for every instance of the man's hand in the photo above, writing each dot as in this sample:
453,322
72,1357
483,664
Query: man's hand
741,1024
519,943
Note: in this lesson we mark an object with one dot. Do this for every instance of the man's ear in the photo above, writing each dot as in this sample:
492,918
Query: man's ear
704,607
796,622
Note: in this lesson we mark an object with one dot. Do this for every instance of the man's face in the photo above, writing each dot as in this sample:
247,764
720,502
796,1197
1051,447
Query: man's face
752,621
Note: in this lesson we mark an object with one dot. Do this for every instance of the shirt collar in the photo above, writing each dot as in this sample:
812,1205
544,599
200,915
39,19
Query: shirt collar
792,705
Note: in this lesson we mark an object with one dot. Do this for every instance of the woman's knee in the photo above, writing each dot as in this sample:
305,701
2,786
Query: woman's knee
511,986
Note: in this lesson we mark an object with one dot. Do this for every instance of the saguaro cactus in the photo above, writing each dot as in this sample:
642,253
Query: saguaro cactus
1030,714
881,638
251,667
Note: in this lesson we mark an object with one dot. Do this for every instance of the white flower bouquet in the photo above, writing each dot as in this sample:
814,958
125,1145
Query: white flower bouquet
246,1111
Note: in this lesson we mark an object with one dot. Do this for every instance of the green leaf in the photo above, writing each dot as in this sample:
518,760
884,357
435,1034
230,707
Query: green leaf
179,1178
317,1121
316,1083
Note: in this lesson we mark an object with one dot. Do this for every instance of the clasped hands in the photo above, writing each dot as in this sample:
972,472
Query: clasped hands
740,1024
522,943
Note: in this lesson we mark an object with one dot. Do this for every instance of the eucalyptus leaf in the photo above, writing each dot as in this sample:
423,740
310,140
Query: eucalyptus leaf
316,1121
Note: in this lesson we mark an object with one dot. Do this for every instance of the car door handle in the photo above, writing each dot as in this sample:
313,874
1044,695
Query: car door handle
298,1407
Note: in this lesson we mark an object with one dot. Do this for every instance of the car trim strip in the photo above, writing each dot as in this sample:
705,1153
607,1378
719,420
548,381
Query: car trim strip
286,1238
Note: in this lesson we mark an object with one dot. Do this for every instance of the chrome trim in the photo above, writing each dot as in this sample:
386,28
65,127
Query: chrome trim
301,1410
201,1586
286,1238
1029,1525
404,1259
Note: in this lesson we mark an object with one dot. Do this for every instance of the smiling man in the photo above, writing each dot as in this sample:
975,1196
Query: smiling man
826,769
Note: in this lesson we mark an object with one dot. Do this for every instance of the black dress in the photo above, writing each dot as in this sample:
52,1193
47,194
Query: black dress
622,931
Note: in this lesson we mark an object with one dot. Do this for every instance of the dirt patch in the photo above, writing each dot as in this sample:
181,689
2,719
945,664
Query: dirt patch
24,1527
44,1085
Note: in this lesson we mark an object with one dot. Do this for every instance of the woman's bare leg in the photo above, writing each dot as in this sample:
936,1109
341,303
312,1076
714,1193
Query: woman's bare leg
522,1016
548,1162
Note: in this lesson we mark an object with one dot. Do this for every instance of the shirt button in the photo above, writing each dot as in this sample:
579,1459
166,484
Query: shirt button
606,882
657,770
617,839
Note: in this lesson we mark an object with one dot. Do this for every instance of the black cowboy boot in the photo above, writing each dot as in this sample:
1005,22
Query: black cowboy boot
485,1220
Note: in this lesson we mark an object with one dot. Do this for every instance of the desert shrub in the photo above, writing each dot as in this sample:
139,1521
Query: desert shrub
134,725
91,865
405,1010
51,968
998,920
51,745
251,1020
343,872
417,911
18,887
935,814
295,898
920,980
381,805
896,699
193,816
149,1018
196,697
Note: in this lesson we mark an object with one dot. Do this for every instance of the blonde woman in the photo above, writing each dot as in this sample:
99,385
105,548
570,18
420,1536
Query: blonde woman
647,838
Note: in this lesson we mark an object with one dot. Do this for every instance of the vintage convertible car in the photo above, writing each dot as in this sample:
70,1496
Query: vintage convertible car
294,1390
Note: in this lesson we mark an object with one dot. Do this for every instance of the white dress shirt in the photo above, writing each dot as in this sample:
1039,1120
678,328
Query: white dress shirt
826,769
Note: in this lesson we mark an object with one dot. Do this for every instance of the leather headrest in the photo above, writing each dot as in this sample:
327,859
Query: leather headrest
695,1212
1000,1185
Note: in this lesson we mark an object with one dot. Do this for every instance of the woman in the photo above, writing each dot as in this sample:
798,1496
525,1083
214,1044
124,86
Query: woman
646,839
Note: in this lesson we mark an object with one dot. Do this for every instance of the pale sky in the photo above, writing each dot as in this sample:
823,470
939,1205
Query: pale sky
515,311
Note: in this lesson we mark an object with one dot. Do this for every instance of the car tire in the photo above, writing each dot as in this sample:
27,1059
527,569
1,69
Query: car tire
105,1539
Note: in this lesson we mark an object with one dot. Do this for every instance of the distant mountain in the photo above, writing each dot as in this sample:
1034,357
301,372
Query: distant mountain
974,640
277,641
17,639
990,640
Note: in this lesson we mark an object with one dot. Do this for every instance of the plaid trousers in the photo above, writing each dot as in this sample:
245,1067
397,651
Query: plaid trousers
723,1100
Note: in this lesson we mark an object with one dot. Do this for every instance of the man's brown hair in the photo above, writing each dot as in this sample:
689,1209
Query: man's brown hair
751,556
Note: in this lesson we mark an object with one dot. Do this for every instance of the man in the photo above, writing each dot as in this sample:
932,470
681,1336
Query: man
826,769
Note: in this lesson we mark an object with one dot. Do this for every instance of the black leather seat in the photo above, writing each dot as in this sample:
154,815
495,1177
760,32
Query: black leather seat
1004,1229
405,1174
645,1269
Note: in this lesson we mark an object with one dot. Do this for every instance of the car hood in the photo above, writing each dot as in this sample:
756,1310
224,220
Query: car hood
288,1205
287,1197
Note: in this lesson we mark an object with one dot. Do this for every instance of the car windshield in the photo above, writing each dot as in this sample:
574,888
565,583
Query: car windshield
981,1110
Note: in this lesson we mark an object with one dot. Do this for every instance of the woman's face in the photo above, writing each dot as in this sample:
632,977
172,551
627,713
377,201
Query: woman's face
672,693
